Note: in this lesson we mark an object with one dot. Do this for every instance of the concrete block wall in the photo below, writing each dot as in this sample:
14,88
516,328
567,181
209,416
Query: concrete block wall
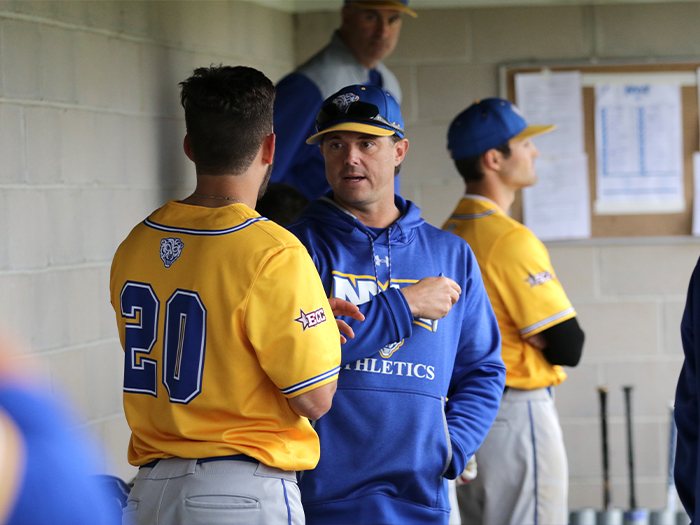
90,138
629,293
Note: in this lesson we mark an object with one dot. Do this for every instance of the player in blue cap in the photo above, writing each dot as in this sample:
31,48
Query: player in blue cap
522,468
368,34
415,397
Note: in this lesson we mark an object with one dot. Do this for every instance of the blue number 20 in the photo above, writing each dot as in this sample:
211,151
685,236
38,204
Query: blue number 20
184,342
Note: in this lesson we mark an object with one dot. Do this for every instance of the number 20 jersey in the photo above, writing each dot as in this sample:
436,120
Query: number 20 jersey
222,317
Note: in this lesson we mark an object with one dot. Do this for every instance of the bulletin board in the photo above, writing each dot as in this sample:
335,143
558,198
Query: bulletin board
657,224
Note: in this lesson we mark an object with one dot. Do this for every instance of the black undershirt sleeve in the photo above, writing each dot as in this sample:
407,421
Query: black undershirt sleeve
564,343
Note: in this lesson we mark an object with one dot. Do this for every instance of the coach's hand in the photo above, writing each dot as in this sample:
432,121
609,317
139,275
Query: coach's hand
432,297
343,307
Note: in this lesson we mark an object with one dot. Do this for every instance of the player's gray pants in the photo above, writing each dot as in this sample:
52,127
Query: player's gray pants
182,492
523,477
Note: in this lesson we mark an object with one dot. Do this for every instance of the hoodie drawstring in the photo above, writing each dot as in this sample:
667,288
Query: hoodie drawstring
374,257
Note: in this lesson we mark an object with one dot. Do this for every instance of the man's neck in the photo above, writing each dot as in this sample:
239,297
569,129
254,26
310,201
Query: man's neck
372,216
501,195
363,61
215,191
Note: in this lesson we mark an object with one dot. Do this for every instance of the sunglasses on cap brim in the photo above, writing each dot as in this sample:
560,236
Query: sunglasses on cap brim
357,111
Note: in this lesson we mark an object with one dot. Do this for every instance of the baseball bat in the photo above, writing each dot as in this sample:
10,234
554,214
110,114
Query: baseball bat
630,449
602,396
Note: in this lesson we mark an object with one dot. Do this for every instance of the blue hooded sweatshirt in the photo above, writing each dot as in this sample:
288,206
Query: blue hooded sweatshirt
687,464
413,404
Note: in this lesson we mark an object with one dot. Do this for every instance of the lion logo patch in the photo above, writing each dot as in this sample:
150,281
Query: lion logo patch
170,250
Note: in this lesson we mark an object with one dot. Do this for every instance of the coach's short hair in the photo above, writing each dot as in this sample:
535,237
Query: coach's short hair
228,113
470,167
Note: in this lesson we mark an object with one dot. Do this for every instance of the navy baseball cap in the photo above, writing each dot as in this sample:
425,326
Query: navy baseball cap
363,109
399,5
488,124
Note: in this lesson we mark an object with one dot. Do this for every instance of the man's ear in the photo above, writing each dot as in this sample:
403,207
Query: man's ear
400,150
492,159
268,149
187,146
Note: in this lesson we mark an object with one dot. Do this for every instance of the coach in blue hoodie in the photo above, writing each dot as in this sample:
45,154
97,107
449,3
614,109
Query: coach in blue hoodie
415,396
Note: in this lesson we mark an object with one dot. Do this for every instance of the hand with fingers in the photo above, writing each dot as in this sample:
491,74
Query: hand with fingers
432,297
346,308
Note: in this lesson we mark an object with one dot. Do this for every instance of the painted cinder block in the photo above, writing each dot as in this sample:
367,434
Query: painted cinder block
647,30
16,312
68,379
83,305
439,201
575,267
21,59
57,64
65,235
427,160
13,168
80,158
43,144
444,91
103,386
620,329
673,314
437,34
654,386
541,32
647,269
312,32
577,396
98,230
50,301
27,227
405,76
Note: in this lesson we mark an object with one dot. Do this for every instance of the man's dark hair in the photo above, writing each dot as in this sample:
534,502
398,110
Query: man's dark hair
470,167
228,113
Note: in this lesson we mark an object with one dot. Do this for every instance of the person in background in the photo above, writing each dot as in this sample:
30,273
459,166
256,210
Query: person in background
49,467
415,396
522,467
368,34
229,339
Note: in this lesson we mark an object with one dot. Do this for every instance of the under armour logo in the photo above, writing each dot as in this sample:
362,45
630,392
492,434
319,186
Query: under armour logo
378,260
343,101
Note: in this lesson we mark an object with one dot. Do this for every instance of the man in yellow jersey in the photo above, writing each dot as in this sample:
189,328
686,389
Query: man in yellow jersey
522,468
230,342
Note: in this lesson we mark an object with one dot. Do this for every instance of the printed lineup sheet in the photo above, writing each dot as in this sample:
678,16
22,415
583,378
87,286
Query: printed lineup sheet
696,194
558,206
639,149
552,208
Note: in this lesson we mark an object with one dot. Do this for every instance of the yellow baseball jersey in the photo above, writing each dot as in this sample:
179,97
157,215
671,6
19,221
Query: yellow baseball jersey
526,296
222,316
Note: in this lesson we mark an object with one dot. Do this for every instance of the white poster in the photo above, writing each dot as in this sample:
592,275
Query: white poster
553,98
558,206
639,149
696,194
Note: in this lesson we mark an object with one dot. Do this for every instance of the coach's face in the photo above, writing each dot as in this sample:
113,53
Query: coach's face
360,168
371,34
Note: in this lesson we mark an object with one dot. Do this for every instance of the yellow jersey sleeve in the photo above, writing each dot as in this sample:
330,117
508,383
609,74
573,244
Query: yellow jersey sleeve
287,340
527,284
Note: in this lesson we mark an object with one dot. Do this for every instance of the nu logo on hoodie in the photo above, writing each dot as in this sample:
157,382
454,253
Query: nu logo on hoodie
359,289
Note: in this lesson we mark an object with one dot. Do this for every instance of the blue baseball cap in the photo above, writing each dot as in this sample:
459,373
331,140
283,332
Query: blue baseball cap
488,124
363,109
399,5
